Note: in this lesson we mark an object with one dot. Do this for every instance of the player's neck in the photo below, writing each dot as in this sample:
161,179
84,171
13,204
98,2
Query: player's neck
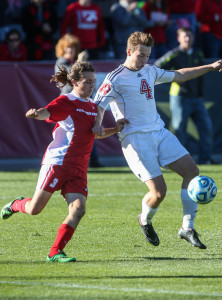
129,66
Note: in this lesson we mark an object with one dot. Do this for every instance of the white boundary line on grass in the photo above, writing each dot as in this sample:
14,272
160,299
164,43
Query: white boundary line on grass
134,194
108,288
119,194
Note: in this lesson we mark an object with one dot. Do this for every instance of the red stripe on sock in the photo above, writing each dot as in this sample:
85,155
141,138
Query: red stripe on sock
65,232
19,205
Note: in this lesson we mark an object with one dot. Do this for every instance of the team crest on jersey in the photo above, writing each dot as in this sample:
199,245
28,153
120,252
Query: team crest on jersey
105,88
145,89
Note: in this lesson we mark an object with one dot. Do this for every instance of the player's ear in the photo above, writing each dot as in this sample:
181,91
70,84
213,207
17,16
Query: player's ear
129,52
73,82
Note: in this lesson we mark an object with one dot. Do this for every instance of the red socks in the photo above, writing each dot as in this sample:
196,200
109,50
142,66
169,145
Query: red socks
19,205
65,232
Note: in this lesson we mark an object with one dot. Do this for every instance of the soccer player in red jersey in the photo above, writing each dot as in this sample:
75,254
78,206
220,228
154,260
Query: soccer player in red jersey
65,162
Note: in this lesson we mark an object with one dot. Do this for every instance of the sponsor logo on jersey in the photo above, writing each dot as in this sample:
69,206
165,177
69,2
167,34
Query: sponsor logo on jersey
145,89
89,113
105,88
139,75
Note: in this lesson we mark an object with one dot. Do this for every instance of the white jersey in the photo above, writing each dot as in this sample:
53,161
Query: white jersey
131,96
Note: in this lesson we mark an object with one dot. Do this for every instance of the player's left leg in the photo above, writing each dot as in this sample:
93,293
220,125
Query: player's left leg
187,169
76,203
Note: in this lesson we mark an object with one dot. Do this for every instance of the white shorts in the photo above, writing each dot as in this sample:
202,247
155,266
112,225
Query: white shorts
146,152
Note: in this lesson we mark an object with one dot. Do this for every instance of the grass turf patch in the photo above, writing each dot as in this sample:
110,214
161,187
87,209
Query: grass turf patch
114,261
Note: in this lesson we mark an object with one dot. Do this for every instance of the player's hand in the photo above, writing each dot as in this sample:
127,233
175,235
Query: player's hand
98,130
217,65
32,113
120,124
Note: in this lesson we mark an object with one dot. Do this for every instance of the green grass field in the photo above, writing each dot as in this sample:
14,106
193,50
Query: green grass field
114,261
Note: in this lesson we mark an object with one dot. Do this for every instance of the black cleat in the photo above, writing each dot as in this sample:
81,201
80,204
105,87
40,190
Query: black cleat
149,233
191,236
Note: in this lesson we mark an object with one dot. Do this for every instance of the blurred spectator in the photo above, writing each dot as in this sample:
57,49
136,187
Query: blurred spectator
105,6
39,21
12,49
155,10
186,98
3,7
209,14
84,20
127,18
67,53
181,14
13,11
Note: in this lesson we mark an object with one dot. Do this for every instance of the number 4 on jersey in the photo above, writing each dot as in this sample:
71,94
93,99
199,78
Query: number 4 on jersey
145,89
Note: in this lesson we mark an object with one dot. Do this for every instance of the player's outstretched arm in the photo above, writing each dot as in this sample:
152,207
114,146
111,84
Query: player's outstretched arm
38,114
110,131
185,74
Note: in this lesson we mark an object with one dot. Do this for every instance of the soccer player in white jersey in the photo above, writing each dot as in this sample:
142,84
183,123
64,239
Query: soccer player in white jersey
65,163
146,144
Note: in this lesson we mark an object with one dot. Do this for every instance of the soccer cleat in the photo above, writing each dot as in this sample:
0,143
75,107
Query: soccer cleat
191,236
149,233
7,211
60,257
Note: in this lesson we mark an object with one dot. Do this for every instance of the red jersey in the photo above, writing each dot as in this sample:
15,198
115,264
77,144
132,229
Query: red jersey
6,55
86,23
72,136
209,13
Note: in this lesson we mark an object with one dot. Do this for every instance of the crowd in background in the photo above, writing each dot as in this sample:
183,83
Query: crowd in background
30,29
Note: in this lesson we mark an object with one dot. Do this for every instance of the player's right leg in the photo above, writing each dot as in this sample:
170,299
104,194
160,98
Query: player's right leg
141,152
150,204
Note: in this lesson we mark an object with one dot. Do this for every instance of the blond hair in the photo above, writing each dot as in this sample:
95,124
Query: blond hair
68,40
139,38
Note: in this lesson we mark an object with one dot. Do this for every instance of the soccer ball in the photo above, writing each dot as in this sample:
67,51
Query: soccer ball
202,189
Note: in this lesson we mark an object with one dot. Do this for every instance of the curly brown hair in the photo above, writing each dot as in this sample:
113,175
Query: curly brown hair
76,72
68,40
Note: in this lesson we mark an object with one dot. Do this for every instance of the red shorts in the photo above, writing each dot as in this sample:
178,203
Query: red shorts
69,180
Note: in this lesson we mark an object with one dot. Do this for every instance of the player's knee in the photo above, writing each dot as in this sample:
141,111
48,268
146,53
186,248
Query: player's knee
34,211
160,195
194,171
80,212
77,210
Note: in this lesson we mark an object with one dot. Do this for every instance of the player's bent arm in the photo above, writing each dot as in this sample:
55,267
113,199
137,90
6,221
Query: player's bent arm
185,74
97,128
38,114
110,131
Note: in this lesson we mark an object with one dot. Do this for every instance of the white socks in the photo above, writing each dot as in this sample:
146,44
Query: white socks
147,213
189,210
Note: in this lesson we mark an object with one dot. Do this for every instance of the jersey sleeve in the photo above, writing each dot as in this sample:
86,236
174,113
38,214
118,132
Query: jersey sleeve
59,109
106,94
163,76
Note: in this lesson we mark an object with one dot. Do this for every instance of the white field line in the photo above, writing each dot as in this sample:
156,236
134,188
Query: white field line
134,194
116,194
108,288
